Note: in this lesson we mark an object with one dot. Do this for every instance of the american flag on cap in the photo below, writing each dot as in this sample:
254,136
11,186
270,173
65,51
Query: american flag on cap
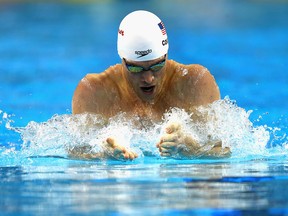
162,28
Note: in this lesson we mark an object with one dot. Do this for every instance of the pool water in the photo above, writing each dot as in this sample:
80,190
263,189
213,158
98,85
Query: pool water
46,48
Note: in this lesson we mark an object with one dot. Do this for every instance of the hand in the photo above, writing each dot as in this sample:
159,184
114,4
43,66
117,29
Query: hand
214,149
84,152
175,143
111,149
118,151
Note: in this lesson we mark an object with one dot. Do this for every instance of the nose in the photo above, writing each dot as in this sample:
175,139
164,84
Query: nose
148,77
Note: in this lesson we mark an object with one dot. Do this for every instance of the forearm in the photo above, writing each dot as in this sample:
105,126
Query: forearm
212,149
188,147
85,152
109,149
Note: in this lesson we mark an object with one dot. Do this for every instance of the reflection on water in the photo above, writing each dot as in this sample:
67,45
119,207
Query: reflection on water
151,186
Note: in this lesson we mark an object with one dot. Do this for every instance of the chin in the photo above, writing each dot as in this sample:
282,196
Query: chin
149,98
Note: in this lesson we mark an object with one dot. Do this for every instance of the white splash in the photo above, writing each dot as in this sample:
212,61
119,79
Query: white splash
226,121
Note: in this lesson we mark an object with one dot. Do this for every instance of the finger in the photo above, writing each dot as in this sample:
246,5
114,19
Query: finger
216,150
126,155
210,146
119,156
119,149
132,155
164,150
135,155
221,153
214,143
169,145
173,128
111,142
169,138
159,143
226,152
218,143
123,155
165,154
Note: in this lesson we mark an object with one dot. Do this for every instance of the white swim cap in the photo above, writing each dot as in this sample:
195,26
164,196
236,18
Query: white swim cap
142,37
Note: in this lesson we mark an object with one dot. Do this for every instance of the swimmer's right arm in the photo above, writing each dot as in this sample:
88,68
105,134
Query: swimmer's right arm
87,96
91,96
96,94
111,150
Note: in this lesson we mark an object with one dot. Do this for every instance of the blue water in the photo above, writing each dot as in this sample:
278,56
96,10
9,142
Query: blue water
46,48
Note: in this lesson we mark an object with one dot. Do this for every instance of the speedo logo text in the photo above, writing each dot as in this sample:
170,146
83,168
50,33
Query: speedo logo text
143,53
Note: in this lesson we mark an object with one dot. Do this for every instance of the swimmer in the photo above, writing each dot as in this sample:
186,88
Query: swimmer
147,84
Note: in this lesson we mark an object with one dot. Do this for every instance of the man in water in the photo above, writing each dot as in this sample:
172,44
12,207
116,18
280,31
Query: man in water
146,84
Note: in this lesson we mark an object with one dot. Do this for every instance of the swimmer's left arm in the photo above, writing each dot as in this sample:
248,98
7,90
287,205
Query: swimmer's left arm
175,143
202,88
203,84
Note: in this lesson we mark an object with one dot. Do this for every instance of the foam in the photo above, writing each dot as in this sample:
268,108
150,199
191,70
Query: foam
227,122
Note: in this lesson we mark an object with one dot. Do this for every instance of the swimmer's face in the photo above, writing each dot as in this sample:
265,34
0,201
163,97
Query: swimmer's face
145,76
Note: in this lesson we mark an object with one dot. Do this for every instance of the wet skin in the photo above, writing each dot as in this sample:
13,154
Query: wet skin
148,95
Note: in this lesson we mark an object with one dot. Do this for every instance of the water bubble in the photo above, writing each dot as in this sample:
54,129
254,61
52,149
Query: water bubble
184,72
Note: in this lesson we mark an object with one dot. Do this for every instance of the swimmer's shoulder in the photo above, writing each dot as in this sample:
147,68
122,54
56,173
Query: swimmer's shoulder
197,81
110,75
192,74
187,71
96,90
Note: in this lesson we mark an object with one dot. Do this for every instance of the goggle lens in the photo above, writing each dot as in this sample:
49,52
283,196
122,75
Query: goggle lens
138,69
134,69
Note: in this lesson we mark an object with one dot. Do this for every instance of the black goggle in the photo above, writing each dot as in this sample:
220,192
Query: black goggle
137,69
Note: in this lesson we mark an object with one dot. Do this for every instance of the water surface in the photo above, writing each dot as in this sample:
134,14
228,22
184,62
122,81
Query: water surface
47,47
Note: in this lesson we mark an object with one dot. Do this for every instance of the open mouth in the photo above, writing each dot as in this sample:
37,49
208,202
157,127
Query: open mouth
148,90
